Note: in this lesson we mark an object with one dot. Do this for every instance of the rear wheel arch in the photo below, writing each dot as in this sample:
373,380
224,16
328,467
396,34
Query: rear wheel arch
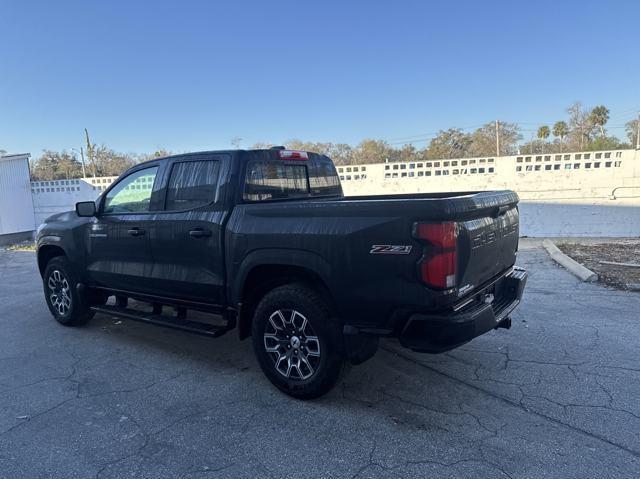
264,278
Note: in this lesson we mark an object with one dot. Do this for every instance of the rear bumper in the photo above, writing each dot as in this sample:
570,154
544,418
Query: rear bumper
488,310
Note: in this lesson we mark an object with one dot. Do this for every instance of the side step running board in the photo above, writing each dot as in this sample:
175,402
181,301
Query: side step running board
204,329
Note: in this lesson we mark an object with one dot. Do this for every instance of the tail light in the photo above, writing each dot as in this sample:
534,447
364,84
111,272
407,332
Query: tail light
293,155
437,267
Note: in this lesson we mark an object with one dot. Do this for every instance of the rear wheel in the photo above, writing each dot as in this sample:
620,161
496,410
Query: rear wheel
66,304
297,345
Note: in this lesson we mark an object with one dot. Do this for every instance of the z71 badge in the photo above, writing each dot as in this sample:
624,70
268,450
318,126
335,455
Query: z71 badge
390,249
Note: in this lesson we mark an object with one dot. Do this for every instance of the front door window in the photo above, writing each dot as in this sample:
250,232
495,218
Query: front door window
132,194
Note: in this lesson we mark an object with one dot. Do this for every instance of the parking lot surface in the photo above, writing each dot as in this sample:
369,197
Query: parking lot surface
555,396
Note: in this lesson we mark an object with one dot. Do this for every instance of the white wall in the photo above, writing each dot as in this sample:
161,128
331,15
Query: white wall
533,177
16,206
51,197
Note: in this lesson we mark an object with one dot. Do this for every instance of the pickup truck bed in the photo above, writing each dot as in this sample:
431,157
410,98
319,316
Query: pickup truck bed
267,239
335,239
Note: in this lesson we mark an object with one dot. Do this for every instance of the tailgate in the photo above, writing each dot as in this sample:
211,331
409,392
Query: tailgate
487,246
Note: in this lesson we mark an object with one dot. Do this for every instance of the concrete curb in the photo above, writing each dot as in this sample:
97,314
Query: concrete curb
571,265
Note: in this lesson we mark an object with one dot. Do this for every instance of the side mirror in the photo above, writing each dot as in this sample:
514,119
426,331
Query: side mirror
86,208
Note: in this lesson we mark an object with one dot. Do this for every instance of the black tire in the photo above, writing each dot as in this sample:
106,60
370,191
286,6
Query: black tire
61,293
327,365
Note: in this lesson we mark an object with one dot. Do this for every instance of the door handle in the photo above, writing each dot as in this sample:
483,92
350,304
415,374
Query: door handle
199,233
136,232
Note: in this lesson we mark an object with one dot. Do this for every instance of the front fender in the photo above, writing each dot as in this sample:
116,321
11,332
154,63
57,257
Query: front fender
52,240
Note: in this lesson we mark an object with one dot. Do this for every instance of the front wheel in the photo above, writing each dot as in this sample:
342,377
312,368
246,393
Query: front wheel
297,345
61,293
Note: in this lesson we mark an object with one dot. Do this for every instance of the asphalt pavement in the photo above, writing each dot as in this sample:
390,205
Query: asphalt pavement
558,395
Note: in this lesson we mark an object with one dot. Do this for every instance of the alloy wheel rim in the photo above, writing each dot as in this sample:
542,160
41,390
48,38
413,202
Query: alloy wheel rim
59,292
292,344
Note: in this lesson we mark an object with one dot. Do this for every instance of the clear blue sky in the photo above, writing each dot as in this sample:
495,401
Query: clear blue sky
189,75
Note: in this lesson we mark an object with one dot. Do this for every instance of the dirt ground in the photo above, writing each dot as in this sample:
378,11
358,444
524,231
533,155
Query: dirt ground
619,277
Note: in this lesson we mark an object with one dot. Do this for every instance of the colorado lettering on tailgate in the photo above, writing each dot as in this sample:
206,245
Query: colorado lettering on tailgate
502,228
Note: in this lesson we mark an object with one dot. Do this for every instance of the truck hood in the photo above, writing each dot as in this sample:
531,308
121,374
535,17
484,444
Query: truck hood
64,216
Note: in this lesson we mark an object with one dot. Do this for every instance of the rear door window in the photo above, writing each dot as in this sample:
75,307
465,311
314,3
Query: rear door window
192,184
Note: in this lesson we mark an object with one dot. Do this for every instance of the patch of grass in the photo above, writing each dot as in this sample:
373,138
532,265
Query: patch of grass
24,246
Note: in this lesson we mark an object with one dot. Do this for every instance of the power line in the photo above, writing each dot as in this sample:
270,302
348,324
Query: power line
411,142
423,136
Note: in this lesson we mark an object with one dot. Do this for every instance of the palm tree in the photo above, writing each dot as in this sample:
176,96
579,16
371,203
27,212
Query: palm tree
599,117
543,134
560,130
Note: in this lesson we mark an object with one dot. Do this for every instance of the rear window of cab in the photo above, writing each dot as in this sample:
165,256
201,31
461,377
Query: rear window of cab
277,180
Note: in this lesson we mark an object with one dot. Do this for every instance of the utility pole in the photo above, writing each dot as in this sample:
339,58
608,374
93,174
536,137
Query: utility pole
497,138
581,138
90,152
84,171
638,133
532,143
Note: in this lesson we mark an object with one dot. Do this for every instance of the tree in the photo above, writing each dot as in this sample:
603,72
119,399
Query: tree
140,157
408,152
599,117
53,165
633,131
543,134
451,143
44,168
373,151
560,130
530,148
580,126
341,153
109,162
607,143
261,145
68,166
483,140
161,153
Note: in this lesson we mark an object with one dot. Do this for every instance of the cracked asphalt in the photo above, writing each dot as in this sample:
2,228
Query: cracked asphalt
558,395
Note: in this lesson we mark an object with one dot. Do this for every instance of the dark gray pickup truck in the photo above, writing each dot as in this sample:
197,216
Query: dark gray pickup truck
264,241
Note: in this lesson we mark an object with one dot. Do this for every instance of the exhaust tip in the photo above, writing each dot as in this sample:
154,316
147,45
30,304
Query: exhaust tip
505,323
